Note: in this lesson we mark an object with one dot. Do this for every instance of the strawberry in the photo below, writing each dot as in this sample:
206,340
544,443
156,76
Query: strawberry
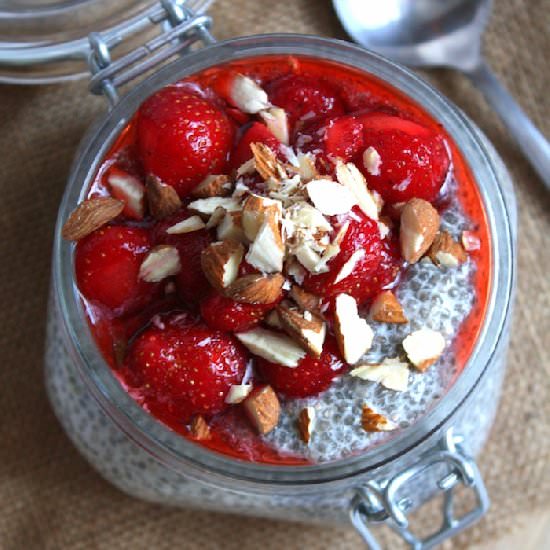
414,158
304,98
226,314
128,189
376,267
310,377
332,138
107,266
183,368
190,281
255,133
182,138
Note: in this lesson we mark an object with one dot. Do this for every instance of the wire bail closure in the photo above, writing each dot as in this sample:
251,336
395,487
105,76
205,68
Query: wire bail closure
180,28
377,501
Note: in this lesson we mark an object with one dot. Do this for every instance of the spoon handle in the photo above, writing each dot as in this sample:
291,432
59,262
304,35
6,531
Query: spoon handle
530,140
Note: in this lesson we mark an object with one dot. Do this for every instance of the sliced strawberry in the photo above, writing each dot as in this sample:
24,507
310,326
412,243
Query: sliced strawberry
374,262
182,138
304,98
226,314
128,189
255,133
107,266
414,159
332,138
183,368
310,377
191,283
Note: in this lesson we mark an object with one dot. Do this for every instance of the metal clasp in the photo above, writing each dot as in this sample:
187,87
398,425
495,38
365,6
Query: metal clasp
180,28
378,502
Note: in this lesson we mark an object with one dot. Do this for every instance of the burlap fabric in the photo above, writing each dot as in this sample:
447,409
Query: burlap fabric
52,499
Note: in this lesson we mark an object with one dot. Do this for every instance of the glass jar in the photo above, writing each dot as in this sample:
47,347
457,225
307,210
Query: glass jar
145,459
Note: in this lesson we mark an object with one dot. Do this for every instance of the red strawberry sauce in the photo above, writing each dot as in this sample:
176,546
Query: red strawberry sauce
232,435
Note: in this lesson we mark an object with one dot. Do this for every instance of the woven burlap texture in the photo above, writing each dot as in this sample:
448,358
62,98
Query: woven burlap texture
51,498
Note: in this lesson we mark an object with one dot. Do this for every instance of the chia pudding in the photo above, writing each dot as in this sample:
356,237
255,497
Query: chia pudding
283,259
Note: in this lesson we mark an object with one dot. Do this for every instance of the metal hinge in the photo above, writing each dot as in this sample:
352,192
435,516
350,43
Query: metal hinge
378,502
179,27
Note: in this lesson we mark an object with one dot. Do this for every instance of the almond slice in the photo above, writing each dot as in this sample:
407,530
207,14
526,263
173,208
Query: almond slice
193,223
353,334
263,409
419,226
276,120
330,197
424,347
307,257
90,215
266,162
231,227
209,205
372,421
247,167
372,161
162,199
304,215
308,330
445,251
347,269
391,373
256,289
129,190
247,96
306,418
238,393
306,167
256,211
470,241
272,346
305,300
212,186
350,177
267,252
386,309
163,261
216,217
220,263
200,429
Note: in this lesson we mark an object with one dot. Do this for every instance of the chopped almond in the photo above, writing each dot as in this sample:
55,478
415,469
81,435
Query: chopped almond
212,186
162,199
424,347
90,215
217,217
163,261
305,300
231,227
351,178
375,422
263,409
272,346
267,252
347,269
276,120
247,96
391,373
306,419
419,226
353,334
266,162
220,262
211,204
330,197
200,429
130,191
306,167
308,330
272,320
238,393
256,288
470,241
193,223
386,309
256,211
445,251
372,161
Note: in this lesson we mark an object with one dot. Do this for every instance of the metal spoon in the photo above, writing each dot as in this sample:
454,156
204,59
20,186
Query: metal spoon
445,33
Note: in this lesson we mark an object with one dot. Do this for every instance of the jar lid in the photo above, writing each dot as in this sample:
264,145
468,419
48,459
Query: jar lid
45,41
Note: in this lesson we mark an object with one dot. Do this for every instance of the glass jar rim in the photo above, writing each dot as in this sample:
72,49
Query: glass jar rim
176,451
